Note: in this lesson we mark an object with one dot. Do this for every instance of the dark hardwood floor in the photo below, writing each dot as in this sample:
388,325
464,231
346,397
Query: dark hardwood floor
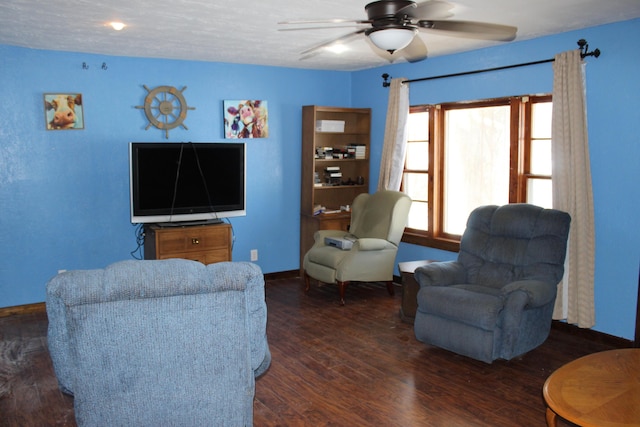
356,365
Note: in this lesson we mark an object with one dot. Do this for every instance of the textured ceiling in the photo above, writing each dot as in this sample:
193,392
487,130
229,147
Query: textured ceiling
247,32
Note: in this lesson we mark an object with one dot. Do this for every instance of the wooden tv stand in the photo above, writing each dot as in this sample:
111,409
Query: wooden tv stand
204,243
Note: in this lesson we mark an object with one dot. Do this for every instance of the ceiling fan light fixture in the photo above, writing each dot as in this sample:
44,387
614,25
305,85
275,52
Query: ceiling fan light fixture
392,39
118,26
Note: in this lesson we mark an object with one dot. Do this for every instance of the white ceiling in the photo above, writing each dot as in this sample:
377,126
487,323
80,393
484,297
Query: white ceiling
247,32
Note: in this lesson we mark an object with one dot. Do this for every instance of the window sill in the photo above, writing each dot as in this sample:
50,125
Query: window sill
451,245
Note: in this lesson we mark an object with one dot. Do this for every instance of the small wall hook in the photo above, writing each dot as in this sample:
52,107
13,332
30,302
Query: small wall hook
86,66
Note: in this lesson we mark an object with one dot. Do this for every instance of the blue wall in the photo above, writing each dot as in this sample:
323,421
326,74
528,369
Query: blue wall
65,195
614,142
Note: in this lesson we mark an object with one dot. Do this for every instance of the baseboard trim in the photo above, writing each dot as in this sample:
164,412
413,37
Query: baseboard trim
591,335
282,275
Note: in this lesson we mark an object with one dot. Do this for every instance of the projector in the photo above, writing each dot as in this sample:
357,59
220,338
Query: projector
338,242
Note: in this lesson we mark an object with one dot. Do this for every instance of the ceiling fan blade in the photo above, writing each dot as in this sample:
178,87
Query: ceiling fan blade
384,54
325,21
348,23
432,9
342,39
324,27
416,50
471,29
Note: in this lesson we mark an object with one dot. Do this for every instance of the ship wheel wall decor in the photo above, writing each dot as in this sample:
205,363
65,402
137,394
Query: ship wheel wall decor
165,108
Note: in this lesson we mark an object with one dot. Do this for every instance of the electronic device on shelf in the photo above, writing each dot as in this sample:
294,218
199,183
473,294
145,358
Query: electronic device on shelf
186,182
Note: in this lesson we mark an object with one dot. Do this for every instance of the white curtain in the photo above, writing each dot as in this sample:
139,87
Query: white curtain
395,136
572,193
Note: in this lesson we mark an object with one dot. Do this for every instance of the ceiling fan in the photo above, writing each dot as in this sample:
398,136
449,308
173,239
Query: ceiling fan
392,25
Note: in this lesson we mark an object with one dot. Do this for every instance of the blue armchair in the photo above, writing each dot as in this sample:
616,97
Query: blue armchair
151,343
496,300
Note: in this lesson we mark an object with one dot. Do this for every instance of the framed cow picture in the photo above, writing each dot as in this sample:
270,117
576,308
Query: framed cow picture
246,119
63,111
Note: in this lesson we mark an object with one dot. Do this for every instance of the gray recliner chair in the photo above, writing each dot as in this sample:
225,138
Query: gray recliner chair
496,300
377,224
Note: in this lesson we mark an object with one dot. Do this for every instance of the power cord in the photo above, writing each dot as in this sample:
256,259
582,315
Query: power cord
139,233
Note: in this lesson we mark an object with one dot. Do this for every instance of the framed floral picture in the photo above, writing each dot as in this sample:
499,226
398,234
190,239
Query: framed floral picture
246,119
63,111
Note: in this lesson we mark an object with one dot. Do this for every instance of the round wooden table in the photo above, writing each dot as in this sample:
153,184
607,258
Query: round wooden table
598,390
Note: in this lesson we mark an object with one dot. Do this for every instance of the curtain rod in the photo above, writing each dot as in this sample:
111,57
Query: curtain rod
582,43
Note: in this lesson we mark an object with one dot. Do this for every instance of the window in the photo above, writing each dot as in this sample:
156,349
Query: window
467,154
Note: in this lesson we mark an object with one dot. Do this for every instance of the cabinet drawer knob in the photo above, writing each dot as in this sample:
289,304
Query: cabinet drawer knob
195,241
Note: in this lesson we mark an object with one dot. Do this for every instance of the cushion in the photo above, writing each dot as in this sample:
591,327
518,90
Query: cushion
474,306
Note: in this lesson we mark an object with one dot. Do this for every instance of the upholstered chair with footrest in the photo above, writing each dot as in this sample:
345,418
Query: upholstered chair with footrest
377,224
496,300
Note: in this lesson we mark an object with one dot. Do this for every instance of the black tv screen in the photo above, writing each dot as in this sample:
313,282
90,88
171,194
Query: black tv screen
185,182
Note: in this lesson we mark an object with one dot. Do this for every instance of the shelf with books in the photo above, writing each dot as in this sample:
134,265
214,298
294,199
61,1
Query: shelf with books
341,186
327,151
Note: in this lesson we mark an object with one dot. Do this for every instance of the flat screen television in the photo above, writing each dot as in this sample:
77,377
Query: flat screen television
186,182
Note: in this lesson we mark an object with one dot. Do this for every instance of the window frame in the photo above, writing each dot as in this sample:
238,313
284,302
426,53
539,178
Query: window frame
519,154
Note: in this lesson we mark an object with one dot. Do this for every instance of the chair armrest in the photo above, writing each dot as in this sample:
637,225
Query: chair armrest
373,244
443,273
538,292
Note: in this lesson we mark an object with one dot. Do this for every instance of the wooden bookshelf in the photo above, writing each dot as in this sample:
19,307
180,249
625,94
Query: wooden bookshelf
332,137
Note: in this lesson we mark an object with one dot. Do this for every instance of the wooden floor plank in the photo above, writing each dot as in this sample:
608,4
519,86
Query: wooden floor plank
333,365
